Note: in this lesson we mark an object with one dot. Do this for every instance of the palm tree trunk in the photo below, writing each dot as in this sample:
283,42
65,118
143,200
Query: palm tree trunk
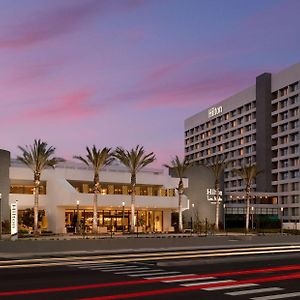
217,187
95,223
133,183
247,207
180,225
36,209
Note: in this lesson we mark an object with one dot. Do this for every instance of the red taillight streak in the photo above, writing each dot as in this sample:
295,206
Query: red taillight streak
136,282
193,288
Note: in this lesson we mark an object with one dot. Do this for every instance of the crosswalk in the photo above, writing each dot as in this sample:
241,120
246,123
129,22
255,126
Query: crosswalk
233,287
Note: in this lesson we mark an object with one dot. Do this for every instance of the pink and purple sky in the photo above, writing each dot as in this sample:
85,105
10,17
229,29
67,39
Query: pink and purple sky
125,72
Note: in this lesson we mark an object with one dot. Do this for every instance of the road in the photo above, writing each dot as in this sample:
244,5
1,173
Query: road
161,275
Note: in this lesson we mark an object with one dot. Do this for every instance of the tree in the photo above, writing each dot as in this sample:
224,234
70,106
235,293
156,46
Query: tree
180,167
38,157
135,160
96,158
248,174
217,167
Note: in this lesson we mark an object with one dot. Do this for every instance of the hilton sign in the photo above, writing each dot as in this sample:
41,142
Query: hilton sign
214,111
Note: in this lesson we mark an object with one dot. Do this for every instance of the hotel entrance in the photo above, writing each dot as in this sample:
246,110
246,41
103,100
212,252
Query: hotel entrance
114,220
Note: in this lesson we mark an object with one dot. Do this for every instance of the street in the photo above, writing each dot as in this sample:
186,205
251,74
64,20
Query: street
264,277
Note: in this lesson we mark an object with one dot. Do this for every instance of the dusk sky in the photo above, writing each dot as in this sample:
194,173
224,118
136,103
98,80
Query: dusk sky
120,73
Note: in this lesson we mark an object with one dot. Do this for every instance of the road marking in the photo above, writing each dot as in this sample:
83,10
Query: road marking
207,282
150,274
121,269
164,277
278,296
100,266
117,268
141,270
255,291
187,279
96,264
236,286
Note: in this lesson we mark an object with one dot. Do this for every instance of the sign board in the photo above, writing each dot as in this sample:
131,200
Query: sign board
211,195
14,219
214,111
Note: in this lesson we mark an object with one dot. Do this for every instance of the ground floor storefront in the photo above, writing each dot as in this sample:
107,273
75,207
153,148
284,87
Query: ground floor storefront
115,220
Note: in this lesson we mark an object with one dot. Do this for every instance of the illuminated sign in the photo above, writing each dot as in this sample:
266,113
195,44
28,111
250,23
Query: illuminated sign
211,195
14,219
214,111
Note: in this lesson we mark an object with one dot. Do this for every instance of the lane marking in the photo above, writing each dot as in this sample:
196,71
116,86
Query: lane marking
150,274
231,287
278,296
142,281
131,272
157,255
172,276
255,291
187,279
207,282
194,288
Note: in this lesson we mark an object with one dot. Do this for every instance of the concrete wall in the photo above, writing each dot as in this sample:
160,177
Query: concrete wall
200,179
4,183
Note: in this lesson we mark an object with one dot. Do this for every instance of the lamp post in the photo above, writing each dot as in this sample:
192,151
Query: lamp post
123,215
0,216
224,216
281,219
192,223
77,221
252,211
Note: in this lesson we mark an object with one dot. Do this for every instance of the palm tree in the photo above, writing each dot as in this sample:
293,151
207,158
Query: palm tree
248,173
38,157
135,160
97,158
217,167
180,167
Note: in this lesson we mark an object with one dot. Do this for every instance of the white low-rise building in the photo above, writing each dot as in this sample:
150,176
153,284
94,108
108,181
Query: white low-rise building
67,190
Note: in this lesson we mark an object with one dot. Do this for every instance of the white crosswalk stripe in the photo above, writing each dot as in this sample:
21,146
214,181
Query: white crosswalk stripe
255,291
188,279
140,270
207,282
111,269
234,286
278,296
172,276
150,274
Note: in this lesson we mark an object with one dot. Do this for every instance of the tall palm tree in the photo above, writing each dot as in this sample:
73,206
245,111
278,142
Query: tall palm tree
96,158
38,157
217,167
135,160
248,173
180,167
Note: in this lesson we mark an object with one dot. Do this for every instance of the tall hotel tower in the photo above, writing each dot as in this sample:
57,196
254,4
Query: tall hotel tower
259,125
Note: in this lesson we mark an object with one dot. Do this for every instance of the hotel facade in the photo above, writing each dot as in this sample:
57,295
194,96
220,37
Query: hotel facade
259,125
68,190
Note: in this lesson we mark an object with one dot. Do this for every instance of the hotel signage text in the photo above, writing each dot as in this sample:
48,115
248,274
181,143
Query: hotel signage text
211,195
14,218
214,111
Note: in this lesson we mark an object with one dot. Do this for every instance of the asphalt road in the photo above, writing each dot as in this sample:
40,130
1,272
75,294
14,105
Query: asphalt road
251,277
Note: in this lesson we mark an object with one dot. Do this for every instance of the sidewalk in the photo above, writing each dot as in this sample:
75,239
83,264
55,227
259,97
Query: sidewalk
70,245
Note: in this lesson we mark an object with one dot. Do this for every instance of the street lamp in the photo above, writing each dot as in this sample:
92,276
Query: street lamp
252,211
0,216
281,219
77,221
192,223
123,215
224,217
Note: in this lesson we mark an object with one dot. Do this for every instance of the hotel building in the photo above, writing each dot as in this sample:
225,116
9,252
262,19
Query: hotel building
259,125
61,188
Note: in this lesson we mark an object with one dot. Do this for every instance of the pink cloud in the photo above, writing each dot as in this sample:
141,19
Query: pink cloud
59,21
74,105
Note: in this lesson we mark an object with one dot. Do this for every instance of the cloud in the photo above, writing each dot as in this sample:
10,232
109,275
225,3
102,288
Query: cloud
74,105
60,21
